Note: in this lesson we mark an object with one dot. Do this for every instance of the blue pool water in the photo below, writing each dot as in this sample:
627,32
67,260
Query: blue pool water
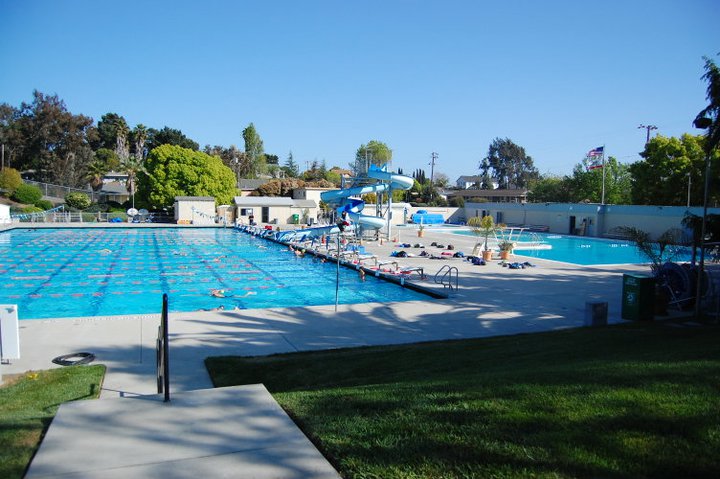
51,273
582,250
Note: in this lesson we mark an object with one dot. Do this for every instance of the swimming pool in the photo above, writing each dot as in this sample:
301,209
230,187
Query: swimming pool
580,250
57,273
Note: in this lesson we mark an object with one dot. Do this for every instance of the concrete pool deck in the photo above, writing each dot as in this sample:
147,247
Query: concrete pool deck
492,300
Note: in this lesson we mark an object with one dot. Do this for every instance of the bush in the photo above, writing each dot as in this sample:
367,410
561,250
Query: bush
31,209
77,200
44,205
10,180
27,194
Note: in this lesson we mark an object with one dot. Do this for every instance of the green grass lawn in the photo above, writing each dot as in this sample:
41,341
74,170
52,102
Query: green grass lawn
637,400
28,406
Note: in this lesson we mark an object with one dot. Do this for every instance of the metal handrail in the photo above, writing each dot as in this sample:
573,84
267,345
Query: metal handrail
445,277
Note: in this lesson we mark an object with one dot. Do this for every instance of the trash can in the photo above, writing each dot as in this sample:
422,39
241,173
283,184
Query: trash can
596,313
638,301
296,219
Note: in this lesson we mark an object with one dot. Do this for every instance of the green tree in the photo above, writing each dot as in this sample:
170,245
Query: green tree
511,167
95,173
175,171
586,184
291,168
712,111
668,165
133,167
77,200
107,130
138,138
374,153
555,189
51,140
10,180
169,136
254,161
108,159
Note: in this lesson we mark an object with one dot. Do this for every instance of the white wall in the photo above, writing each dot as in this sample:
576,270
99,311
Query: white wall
600,219
5,214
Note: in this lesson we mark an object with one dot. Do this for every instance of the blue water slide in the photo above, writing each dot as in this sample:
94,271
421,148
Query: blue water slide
343,200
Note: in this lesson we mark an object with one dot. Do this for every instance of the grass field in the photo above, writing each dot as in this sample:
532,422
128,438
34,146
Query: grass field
28,405
636,400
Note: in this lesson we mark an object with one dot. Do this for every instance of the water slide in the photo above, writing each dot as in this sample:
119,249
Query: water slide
343,201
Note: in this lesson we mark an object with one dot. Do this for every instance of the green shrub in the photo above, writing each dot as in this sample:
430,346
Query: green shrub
10,180
77,200
119,214
44,205
27,194
31,209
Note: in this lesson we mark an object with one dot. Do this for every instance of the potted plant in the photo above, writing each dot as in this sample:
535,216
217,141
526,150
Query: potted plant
506,248
482,227
421,230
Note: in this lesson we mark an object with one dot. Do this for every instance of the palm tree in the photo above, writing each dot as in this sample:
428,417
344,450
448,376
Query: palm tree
95,174
132,166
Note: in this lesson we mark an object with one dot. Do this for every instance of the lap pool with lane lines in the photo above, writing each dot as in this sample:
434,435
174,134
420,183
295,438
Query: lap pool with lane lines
75,272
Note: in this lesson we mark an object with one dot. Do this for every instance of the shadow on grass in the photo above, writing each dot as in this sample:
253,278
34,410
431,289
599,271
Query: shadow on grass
636,400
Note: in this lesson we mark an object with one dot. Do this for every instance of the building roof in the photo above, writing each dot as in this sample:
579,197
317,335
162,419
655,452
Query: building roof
195,198
469,179
489,193
273,201
251,184
114,188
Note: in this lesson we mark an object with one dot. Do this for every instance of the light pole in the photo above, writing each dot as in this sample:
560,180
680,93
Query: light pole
236,162
648,128
702,123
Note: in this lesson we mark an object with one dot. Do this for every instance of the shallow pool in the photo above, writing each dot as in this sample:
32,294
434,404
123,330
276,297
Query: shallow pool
72,272
580,250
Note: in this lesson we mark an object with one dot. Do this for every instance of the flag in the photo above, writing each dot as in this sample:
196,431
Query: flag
594,164
597,151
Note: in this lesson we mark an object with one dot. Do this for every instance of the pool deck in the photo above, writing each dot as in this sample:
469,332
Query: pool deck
492,300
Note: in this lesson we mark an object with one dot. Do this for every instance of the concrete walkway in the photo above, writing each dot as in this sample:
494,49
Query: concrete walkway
492,300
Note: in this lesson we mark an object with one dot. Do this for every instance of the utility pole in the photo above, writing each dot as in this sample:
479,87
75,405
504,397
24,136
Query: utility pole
433,157
648,128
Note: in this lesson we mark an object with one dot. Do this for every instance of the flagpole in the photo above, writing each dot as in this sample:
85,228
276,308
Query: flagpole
602,198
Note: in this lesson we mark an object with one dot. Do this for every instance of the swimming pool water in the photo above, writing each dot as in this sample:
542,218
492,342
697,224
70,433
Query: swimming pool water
582,250
55,273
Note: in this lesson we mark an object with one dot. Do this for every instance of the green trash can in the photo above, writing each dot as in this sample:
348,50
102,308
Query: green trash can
638,302
296,219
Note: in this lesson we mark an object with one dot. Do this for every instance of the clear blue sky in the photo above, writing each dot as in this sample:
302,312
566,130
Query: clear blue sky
321,78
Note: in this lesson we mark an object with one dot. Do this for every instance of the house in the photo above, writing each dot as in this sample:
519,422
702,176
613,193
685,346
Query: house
247,186
279,210
465,182
114,191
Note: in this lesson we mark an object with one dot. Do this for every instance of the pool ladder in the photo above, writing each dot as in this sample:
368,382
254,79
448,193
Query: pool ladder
446,275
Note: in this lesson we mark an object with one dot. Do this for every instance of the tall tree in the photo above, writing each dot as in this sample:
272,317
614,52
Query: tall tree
254,152
171,171
668,166
374,153
169,136
712,111
586,184
138,137
52,141
291,168
511,166
107,130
